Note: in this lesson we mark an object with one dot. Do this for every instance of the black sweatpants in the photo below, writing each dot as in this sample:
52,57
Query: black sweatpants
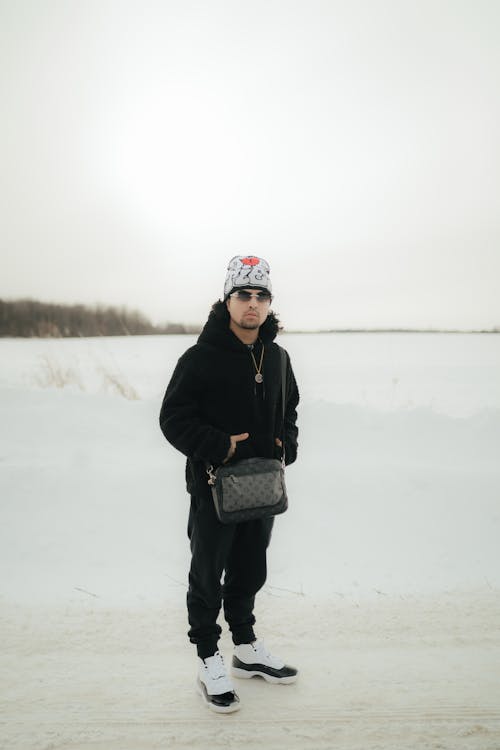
237,550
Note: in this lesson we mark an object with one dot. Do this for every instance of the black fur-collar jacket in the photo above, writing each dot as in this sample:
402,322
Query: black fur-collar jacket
213,394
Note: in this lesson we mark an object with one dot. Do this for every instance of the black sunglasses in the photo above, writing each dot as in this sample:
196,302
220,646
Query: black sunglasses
244,296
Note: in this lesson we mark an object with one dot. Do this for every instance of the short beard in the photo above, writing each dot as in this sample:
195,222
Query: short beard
249,325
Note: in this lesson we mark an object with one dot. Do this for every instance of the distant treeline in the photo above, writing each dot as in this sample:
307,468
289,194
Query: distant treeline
29,318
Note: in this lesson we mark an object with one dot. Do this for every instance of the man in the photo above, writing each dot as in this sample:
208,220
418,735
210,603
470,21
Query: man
223,404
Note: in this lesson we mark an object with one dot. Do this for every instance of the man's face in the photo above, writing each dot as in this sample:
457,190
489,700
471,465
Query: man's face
248,308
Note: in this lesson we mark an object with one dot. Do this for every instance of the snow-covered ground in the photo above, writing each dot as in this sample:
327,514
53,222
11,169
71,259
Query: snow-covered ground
384,576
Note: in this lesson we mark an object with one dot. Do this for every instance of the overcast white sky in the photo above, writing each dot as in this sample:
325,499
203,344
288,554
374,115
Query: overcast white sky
354,145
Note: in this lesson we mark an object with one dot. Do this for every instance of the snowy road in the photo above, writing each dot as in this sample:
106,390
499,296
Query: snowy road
392,675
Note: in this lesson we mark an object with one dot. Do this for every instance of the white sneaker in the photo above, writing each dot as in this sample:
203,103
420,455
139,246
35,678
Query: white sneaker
215,686
254,660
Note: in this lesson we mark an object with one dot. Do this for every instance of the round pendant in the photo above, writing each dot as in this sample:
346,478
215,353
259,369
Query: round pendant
259,378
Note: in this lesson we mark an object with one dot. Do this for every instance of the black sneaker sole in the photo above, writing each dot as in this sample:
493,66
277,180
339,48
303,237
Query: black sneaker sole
224,705
284,676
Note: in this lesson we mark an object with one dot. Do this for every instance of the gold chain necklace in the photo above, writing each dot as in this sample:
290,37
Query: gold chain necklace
258,375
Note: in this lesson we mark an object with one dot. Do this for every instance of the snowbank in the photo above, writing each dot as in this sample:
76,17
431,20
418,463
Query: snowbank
383,576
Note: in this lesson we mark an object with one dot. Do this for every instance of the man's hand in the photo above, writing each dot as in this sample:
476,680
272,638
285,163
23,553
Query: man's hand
278,442
234,440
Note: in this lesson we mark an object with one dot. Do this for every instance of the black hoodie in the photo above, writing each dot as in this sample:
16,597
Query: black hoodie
213,394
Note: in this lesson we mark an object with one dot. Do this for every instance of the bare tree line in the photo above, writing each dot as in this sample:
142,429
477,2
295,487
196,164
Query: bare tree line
29,318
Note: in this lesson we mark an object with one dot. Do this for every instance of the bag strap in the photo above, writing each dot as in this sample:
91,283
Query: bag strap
283,392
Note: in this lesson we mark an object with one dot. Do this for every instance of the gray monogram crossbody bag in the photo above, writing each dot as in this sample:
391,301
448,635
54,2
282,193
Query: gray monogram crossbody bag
253,487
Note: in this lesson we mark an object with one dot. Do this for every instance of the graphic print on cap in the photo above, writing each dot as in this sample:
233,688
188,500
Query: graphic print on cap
250,261
247,271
